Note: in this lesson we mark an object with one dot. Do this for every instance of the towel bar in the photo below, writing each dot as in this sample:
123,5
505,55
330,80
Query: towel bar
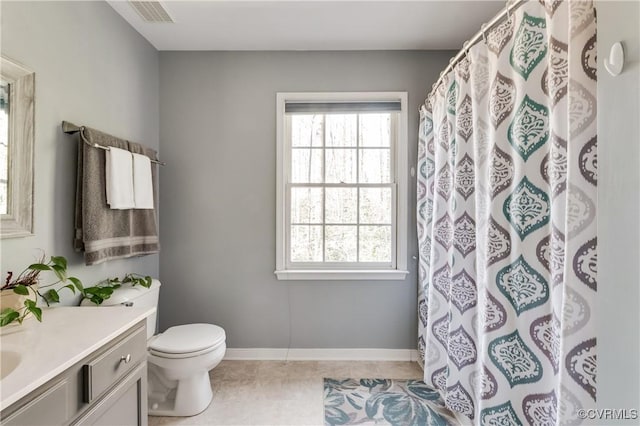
70,128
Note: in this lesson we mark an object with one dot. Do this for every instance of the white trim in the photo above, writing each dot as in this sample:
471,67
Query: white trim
18,219
400,167
402,182
280,182
341,274
320,354
247,354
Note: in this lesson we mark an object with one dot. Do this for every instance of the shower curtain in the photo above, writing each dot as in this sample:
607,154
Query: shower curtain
507,222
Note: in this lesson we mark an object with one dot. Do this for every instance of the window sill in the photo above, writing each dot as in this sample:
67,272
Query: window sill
342,274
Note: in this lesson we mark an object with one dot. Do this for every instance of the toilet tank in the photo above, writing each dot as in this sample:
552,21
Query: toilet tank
137,296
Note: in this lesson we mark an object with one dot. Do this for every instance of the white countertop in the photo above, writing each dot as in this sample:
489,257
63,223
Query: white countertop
64,337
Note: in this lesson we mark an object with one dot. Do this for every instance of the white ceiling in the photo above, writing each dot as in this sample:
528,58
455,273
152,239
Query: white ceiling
313,24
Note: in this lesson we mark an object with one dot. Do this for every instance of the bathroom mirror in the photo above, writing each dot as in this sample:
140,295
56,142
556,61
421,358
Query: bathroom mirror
17,106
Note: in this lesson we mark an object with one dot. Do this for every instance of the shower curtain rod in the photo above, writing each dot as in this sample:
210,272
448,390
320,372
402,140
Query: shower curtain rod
480,35
70,128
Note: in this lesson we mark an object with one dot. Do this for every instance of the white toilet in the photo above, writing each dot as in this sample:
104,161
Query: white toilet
179,359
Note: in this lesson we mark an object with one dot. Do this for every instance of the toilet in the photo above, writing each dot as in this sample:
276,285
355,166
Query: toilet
179,359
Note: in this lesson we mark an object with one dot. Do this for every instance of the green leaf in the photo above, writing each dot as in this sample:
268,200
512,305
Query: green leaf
30,303
59,261
105,292
99,292
76,282
37,312
60,272
7,316
90,290
96,299
21,289
148,281
70,287
53,296
39,267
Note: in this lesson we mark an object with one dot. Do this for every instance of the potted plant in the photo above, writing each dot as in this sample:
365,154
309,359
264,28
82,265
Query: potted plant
19,296
101,292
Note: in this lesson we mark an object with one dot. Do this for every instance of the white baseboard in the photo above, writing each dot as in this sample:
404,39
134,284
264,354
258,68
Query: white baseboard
320,354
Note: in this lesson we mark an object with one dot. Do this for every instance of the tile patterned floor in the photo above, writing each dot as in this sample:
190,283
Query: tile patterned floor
280,393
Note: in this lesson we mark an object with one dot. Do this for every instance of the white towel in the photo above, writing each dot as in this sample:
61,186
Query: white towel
142,182
119,179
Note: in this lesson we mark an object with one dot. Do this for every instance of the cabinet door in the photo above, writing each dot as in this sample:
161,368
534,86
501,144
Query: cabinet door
50,407
125,404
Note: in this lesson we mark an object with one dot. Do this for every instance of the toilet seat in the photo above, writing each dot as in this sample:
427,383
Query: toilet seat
182,355
186,341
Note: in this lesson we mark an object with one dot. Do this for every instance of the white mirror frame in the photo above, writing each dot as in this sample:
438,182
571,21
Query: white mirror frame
18,222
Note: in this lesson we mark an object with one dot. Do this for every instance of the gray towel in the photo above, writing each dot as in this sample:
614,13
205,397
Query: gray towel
102,233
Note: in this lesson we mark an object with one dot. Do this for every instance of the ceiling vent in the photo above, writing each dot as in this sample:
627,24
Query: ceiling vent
151,11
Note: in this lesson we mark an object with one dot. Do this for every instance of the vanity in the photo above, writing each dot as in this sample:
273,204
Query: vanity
80,366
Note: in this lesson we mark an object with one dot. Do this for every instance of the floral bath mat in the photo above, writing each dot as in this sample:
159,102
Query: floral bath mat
383,402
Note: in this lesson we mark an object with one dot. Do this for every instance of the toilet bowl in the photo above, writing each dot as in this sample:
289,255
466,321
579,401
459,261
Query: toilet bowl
178,360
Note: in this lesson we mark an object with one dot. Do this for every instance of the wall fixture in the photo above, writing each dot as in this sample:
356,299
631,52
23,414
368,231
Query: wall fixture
615,62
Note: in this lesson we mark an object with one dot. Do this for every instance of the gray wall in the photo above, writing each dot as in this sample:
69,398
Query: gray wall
218,128
91,68
218,136
618,210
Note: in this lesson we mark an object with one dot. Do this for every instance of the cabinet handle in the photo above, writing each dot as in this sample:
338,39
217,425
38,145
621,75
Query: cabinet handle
126,358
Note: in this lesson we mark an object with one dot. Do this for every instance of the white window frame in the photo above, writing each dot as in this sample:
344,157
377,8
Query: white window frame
400,158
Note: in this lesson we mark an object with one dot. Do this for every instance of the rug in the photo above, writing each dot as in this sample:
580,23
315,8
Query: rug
383,402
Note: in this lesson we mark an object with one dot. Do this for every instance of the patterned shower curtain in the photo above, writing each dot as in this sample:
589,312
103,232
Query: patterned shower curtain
507,222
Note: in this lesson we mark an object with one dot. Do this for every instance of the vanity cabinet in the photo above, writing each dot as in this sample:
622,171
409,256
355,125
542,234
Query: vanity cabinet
108,387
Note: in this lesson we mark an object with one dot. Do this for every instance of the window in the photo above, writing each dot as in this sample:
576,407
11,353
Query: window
341,186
